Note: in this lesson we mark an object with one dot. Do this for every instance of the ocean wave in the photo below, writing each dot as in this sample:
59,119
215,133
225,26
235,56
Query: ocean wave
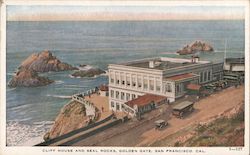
19,134
74,86
10,89
59,96
10,73
18,107
87,67
59,82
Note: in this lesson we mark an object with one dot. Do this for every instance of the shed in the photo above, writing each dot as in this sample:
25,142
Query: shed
103,90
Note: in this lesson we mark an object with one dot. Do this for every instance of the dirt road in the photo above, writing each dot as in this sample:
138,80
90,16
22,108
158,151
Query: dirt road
204,109
145,134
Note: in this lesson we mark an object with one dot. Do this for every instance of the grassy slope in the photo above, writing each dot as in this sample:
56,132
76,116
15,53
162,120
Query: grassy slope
220,132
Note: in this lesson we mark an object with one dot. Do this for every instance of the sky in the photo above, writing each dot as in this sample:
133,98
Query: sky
96,13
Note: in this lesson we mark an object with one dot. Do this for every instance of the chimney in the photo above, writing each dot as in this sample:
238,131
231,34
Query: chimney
196,59
151,64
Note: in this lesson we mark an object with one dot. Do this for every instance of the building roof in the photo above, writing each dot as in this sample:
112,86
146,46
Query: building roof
145,100
104,88
159,65
235,60
182,105
182,77
192,86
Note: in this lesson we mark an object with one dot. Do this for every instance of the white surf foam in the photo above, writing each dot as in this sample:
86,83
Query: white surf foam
10,89
26,135
59,96
87,67
59,82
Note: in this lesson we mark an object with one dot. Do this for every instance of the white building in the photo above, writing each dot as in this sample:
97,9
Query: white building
159,76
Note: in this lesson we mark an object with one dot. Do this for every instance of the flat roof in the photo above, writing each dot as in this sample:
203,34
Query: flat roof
235,60
182,105
181,77
145,100
162,63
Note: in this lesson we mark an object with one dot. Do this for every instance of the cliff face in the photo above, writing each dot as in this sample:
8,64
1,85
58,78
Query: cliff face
45,62
195,47
28,78
88,73
71,117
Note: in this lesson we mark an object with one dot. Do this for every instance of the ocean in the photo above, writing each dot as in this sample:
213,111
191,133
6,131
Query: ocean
31,111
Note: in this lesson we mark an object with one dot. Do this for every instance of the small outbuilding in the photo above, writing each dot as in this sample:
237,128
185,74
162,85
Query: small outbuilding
146,102
104,90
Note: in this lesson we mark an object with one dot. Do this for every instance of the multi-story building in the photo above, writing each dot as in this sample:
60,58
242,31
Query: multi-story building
162,76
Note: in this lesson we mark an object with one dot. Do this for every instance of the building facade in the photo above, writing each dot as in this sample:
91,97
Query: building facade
160,76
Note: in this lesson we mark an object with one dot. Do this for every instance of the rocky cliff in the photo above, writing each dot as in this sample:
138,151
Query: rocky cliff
88,73
71,117
196,47
45,62
28,78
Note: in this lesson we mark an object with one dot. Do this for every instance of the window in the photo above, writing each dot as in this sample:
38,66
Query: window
209,75
134,80
128,79
133,96
139,82
117,106
122,79
127,96
145,83
117,78
112,93
205,76
112,104
168,87
151,85
158,87
112,77
177,88
122,95
117,94
201,76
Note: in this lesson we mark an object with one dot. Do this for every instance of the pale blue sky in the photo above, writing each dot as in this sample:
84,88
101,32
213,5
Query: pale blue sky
19,12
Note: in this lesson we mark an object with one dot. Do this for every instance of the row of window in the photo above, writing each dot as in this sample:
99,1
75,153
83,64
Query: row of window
122,95
116,106
168,87
205,76
135,82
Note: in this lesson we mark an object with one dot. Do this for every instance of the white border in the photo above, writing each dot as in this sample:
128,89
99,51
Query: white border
43,150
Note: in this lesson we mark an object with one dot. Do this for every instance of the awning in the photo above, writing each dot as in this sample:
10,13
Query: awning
230,78
192,86
182,77
182,105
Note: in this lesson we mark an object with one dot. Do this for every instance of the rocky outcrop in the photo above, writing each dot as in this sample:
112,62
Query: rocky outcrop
45,62
71,117
88,73
196,47
28,78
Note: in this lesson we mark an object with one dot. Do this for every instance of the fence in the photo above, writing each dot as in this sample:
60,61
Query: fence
67,135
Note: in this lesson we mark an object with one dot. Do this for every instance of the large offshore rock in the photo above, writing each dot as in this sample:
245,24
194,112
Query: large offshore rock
45,62
88,73
28,78
197,46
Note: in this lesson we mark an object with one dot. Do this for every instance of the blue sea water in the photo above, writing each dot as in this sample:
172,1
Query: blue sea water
99,44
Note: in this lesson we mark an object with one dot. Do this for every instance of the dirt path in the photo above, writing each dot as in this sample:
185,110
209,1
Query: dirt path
205,109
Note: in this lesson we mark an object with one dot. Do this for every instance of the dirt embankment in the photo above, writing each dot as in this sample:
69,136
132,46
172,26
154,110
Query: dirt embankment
226,129
71,117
